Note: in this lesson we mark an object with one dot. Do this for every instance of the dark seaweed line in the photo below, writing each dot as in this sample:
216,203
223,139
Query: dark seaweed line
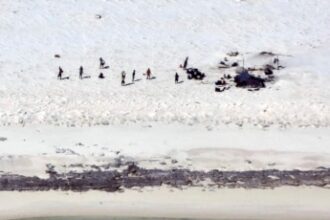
134,176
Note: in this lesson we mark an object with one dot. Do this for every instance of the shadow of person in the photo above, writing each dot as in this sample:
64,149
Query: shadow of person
65,78
128,84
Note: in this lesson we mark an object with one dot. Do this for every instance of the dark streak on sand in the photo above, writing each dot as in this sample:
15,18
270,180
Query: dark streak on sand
134,176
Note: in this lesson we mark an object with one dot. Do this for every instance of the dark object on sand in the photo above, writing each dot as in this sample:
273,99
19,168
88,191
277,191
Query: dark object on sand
101,76
233,53
227,76
218,89
268,71
60,72
123,77
133,76
185,63
135,176
176,78
220,82
223,63
194,73
246,80
102,64
148,73
81,72
267,53
57,56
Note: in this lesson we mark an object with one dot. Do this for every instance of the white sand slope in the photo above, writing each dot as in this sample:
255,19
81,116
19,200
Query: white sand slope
160,34
27,150
44,120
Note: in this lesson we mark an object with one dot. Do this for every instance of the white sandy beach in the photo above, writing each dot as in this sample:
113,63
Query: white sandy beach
74,124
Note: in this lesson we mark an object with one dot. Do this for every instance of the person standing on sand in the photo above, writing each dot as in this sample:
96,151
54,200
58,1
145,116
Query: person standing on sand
60,72
148,73
185,64
123,76
133,76
81,72
102,63
176,78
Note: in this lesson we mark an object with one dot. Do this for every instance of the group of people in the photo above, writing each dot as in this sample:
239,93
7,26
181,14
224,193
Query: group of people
123,73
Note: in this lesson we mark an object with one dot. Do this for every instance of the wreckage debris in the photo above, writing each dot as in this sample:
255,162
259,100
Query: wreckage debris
267,53
194,73
246,80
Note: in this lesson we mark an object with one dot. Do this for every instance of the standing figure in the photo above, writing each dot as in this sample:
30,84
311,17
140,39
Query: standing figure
59,75
133,76
123,76
81,72
176,78
148,73
277,62
102,63
185,64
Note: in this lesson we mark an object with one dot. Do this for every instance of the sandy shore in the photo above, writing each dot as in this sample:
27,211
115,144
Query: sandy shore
26,151
282,203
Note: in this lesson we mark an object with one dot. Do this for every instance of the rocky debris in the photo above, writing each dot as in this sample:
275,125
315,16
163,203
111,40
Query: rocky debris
135,176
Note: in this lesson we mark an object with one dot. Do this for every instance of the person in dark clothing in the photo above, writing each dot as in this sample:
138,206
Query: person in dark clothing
176,78
81,72
148,73
277,62
101,76
102,63
123,76
133,76
60,72
185,64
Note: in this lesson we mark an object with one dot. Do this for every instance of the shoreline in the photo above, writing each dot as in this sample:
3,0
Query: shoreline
239,204
28,150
